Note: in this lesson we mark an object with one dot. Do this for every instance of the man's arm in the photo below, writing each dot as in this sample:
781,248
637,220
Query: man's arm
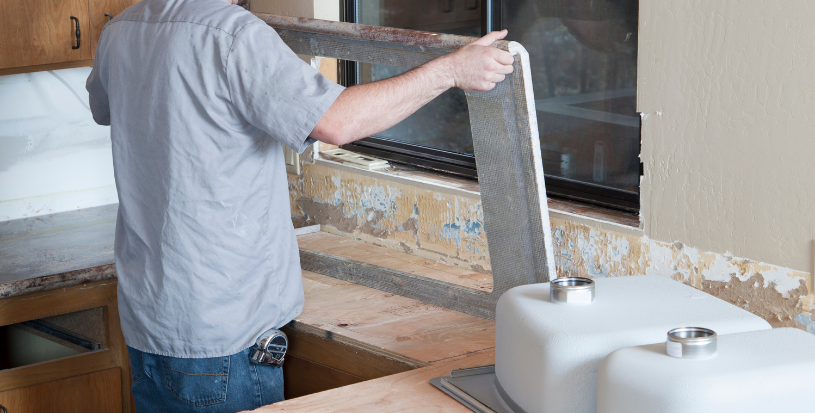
363,110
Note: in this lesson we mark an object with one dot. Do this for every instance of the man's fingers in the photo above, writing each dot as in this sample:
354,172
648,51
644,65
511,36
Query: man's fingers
504,69
490,38
496,78
502,57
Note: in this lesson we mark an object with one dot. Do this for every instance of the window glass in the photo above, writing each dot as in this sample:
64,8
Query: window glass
584,72
444,123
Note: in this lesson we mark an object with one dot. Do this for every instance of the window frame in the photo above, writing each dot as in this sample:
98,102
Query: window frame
462,164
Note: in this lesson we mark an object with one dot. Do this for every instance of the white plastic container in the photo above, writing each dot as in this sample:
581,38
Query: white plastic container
757,372
548,354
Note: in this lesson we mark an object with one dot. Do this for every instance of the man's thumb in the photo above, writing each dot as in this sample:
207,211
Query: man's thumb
491,38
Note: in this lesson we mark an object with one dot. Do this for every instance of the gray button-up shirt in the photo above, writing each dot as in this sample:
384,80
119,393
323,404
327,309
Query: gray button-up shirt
200,95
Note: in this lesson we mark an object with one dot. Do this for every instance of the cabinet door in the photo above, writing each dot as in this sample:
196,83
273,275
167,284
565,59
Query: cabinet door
99,392
101,11
38,32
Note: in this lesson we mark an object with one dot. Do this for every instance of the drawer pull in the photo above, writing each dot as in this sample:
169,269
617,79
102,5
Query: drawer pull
472,4
446,6
78,34
3,409
109,16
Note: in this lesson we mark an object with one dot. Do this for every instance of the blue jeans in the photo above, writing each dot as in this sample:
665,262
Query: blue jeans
219,384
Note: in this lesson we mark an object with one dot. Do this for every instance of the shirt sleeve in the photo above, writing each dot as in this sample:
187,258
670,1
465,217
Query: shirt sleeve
97,93
274,89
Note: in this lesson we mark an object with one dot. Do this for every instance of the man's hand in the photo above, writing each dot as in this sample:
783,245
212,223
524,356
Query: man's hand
363,110
478,66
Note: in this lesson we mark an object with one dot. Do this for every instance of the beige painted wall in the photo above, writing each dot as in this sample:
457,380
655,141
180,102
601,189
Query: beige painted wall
727,89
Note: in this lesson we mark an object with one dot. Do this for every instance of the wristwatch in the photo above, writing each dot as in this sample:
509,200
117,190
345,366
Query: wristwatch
270,348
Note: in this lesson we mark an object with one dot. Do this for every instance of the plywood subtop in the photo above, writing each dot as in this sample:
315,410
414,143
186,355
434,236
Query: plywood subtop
388,258
432,338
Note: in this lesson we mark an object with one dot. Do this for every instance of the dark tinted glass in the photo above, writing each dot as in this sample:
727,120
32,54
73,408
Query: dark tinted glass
584,73
584,70
444,123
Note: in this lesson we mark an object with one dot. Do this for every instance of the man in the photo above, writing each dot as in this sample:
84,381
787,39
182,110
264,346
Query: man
200,95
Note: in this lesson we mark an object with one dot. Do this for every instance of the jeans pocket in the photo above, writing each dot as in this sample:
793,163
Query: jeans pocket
199,382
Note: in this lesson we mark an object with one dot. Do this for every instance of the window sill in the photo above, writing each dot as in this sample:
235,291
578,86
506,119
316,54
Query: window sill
574,211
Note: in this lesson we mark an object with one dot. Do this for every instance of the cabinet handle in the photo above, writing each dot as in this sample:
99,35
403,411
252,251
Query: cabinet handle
78,34
109,16
472,5
446,6
3,409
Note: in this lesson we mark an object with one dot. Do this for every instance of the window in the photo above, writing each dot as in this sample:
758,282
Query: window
583,59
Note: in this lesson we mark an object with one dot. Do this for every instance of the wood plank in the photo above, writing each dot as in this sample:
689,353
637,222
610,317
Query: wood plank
303,377
42,68
57,369
346,357
37,32
89,393
396,260
55,302
404,392
391,322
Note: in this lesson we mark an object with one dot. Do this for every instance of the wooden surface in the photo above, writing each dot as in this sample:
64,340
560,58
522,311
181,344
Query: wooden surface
390,322
432,339
42,68
37,32
97,392
403,392
408,330
385,257
63,301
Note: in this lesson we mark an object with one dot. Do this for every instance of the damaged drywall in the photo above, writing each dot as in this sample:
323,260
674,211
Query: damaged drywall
448,228
437,226
779,295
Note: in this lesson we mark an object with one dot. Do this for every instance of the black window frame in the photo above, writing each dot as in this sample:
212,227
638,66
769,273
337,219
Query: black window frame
463,164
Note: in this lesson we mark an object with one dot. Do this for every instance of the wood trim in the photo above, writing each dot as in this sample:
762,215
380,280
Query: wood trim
57,369
296,326
42,68
96,392
351,360
56,302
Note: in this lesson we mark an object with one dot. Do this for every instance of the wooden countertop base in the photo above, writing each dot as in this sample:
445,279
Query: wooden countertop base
404,392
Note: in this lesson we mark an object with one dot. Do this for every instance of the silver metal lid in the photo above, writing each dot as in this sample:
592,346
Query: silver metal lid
691,343
572,290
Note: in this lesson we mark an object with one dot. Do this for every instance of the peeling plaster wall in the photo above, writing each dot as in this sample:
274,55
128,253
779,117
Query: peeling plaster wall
780,295
53,156
727,93
432,224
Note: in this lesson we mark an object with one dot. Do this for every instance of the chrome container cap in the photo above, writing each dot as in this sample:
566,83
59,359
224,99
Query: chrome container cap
692,343
572,291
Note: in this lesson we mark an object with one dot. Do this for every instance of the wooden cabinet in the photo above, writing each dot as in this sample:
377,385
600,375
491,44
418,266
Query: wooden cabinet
42,35
99,378
98,392
38,32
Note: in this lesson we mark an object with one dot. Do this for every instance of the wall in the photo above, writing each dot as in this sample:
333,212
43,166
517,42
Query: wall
53,157
727,93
